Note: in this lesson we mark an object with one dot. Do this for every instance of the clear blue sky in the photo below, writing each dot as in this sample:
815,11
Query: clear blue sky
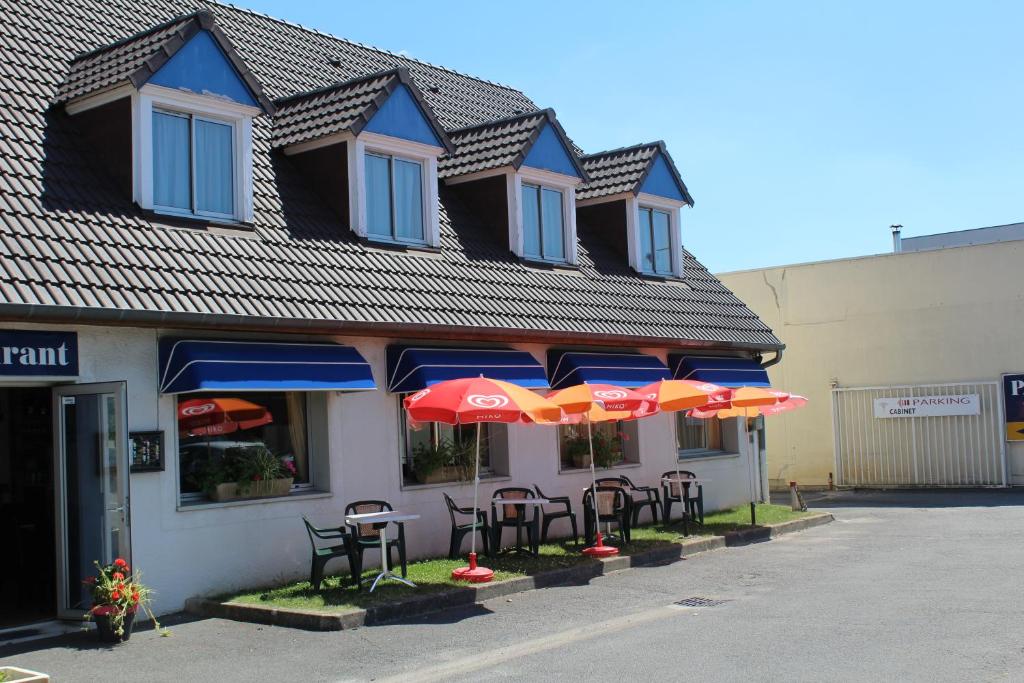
803,129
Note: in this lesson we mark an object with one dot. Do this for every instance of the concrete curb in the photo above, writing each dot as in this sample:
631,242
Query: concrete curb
313,620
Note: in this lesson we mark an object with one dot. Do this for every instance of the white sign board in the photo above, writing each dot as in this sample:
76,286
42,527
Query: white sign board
928,406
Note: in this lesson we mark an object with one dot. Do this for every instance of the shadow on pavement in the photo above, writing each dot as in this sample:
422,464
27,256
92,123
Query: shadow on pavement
914,498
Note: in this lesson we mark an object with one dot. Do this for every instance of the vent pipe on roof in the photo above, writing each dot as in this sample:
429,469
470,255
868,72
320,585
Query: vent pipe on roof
897,241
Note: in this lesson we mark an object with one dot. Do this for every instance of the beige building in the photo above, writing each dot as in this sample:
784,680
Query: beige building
941,318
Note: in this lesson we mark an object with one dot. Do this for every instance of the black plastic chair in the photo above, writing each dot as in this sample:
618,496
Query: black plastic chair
366,536
459,531
673,491
612,506
548,517
639,497
516,517
323,555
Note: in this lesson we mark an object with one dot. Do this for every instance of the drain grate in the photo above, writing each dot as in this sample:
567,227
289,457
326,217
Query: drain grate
697,601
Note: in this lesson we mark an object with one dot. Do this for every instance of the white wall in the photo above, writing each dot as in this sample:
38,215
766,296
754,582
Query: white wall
210,550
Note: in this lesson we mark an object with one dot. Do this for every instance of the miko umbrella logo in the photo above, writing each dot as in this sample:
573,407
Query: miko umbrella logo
611,394
485,402
201,409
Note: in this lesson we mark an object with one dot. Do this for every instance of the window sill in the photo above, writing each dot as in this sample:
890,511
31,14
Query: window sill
541,264
690,456
484,479
387,245
304,495
620,466
222,225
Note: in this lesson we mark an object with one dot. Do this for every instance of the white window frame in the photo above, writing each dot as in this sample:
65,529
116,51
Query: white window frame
151,97
649,226
673,208
392,158
546,180
385,145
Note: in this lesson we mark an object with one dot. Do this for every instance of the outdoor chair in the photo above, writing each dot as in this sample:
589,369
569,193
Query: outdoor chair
323,555
514,516
459,531
366,536
612,506
639,497
675,491
548,517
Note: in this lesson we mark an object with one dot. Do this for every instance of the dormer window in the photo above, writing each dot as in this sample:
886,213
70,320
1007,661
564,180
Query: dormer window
634,198
543,223
371,146
394,198
192,102
655,241
530,155
194,165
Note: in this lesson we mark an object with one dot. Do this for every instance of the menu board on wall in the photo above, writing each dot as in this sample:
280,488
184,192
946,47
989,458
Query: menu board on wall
1013,404
146,451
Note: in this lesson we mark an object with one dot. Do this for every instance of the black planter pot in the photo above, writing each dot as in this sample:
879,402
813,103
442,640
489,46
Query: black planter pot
105,628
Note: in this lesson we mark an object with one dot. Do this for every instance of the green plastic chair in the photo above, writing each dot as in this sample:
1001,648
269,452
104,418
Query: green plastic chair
323,555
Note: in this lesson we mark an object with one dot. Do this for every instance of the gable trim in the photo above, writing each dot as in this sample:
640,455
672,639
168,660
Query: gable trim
550,120
672,169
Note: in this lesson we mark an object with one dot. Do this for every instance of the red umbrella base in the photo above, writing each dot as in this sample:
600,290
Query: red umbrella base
473,573
599,549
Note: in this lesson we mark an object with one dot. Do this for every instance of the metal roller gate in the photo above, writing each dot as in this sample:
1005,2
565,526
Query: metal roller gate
879,441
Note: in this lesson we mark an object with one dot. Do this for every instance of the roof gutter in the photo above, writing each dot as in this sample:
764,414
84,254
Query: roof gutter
778,357
239,323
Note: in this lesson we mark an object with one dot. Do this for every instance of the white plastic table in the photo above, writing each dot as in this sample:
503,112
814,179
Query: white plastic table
382,518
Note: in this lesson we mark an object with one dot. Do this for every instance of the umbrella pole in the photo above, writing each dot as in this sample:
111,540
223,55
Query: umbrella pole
599,549
473,573
750,478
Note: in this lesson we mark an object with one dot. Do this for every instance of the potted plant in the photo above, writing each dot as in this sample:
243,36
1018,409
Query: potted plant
117,595
607,450
248,472
429,461
577,449
464,459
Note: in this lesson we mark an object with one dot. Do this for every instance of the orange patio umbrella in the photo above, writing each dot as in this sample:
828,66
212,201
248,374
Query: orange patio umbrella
475,400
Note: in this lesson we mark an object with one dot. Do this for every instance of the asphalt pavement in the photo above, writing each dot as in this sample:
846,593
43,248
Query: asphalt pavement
903,586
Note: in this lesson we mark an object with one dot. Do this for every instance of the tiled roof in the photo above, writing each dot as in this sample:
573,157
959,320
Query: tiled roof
498,144
624,170
73,244
343,107
136,58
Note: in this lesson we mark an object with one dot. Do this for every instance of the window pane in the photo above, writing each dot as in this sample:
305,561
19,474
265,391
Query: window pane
436,452
646,245
554,241
171,161
531,220
378,195
408,200
662,243
214,166
228,437
574,447
690,432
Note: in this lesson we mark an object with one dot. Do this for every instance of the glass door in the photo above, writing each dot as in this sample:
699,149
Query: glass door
92,486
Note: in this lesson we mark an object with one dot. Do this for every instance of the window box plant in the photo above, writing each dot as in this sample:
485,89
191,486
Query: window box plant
117,596
441,462
248,472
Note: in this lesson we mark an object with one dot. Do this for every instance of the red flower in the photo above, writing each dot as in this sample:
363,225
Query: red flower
119,587
119,562
115,595
135,597
117,576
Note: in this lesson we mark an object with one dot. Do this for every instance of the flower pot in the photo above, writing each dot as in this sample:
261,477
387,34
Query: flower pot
442,474
233,490
580,460
13,674
105,626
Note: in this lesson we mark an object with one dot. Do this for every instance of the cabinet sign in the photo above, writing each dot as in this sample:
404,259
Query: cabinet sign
1013,403
28,353
928,406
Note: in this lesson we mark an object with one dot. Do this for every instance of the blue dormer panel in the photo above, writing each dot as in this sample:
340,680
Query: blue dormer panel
401,117
661,182
201,67
550,154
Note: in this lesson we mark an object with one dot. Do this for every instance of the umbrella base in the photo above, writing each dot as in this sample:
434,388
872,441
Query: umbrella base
473,573
599,549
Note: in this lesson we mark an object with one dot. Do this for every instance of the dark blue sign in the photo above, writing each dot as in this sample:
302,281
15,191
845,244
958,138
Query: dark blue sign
1013,404
27,353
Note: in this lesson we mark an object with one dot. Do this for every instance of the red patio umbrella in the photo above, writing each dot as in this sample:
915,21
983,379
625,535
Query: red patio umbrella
208,416
476,400
608,400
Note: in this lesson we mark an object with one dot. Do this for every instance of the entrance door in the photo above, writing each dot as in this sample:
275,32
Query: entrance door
92,486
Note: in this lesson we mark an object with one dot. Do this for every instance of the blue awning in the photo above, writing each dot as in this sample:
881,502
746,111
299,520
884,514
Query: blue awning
411,368
567,368
726,371
231,365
